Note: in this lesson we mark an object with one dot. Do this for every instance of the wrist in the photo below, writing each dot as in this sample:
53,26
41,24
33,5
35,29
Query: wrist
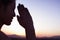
30,33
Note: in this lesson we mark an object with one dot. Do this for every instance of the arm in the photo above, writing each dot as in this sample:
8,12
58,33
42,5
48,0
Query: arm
25,20
30,33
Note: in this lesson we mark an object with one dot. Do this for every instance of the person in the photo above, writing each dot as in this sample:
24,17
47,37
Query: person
7,13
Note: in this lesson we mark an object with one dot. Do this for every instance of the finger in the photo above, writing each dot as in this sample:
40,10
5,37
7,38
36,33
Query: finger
20,6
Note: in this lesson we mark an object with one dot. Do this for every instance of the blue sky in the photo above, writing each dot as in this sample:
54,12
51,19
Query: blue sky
45,14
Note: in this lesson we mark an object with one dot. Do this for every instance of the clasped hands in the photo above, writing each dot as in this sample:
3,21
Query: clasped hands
25,19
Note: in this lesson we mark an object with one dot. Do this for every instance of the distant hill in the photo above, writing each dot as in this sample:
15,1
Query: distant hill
16,37
56,37
49,38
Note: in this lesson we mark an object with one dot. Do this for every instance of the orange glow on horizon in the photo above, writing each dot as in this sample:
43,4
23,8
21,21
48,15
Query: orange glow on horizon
38,34
16,29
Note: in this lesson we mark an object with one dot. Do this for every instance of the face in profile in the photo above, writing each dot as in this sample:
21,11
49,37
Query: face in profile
8,13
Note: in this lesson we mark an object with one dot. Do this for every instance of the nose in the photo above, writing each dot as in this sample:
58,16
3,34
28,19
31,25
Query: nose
14,14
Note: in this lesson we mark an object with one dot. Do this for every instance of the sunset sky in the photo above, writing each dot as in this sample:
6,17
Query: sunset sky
46,18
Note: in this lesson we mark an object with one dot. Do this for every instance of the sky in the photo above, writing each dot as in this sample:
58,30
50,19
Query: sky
46,18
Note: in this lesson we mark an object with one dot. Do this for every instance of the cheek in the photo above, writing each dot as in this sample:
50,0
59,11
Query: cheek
8,13
2,16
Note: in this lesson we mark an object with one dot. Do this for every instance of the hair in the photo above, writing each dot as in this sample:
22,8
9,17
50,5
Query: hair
6,2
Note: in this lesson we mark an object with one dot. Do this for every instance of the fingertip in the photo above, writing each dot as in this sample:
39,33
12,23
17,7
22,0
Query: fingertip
19,4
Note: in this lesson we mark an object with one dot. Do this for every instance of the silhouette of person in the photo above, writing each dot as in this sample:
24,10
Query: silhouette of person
25,20
6,15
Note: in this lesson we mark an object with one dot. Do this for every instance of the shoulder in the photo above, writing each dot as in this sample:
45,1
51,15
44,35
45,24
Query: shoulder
3,36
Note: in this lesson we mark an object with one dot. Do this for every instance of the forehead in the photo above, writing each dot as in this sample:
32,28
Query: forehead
10,5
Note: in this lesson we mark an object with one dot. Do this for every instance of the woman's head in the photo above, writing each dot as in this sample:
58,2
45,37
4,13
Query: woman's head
7,11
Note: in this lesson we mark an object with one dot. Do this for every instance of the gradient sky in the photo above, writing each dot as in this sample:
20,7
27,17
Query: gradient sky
46,18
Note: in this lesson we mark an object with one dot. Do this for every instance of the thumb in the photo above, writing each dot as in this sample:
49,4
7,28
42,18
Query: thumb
18,17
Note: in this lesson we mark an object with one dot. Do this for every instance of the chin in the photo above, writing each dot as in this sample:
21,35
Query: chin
9,23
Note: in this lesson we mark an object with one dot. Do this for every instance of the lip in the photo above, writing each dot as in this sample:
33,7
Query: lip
11,19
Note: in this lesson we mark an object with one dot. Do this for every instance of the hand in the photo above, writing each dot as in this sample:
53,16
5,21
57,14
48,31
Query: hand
25,18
